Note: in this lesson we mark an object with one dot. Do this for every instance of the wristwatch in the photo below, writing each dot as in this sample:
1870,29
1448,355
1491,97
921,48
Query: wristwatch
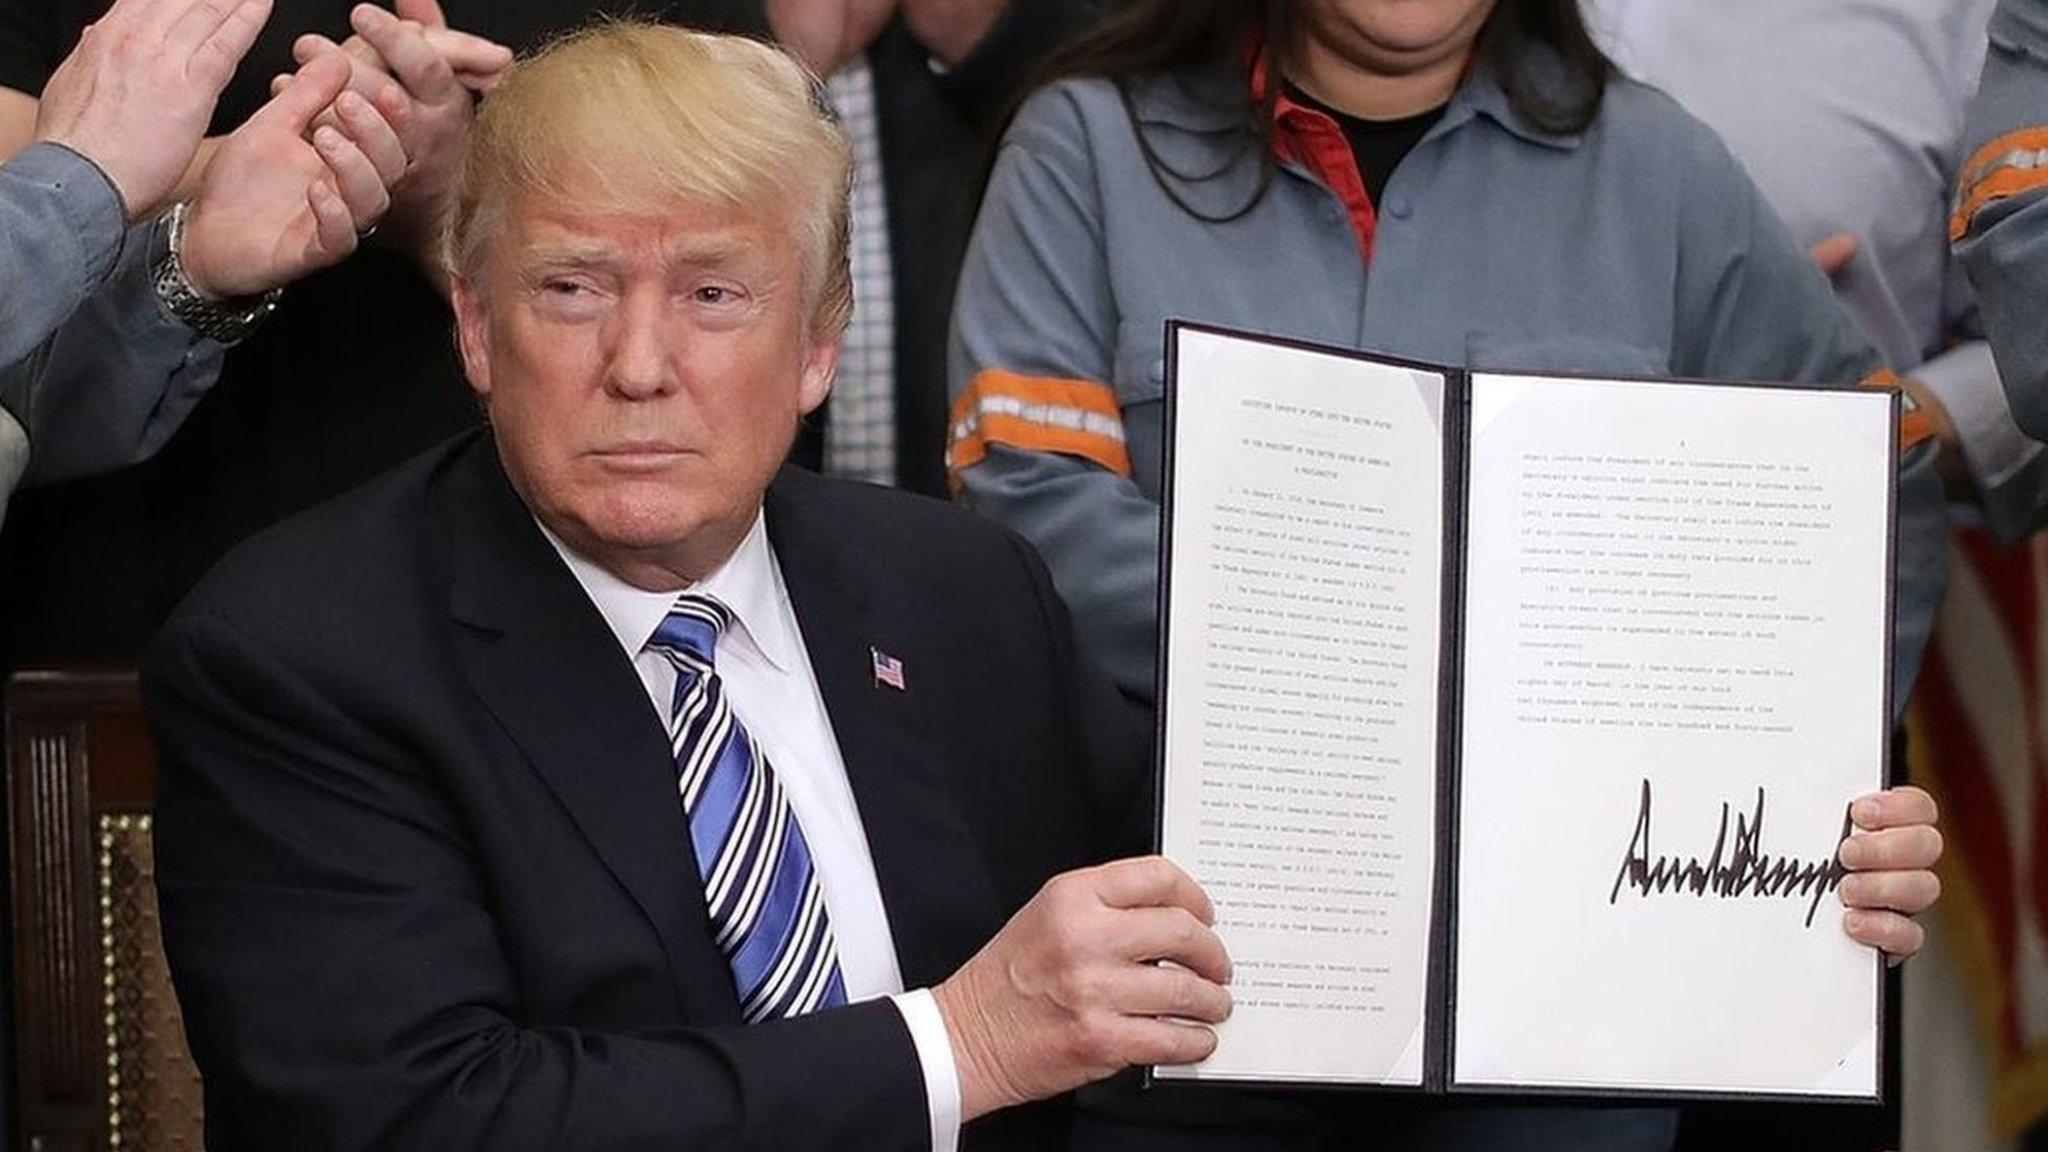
223,321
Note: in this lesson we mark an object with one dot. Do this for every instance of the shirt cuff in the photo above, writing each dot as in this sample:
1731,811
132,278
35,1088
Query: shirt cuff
85,198
1966,381
935,1055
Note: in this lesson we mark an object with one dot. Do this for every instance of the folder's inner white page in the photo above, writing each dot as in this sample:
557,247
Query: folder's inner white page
1301,698
1674,682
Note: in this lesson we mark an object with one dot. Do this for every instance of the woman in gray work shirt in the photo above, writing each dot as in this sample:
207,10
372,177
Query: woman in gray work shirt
1457,181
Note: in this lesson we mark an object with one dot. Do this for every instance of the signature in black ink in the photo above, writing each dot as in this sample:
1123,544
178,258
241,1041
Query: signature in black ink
1728,872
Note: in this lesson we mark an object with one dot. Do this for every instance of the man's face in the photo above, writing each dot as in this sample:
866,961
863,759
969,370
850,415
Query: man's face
644,374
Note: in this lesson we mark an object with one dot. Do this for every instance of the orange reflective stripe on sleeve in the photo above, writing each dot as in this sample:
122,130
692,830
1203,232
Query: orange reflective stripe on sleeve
2005,182
1915,424
1914,427
2010,165
2026,139
1036,414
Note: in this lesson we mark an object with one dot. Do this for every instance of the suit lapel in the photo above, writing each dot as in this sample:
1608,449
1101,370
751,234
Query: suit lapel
940,898
541,657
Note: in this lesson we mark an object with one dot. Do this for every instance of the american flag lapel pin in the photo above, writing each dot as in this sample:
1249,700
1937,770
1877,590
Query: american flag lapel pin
888,669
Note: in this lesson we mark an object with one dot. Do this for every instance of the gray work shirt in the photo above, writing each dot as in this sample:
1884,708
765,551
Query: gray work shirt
1636,247
2002,205
1788,86
90,364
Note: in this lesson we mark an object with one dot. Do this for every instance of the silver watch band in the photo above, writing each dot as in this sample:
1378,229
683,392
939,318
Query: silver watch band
224,321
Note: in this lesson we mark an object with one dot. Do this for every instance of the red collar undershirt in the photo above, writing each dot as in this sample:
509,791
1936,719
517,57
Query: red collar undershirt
1311,138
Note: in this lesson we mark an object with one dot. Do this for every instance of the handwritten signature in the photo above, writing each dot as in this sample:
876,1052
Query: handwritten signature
1729,872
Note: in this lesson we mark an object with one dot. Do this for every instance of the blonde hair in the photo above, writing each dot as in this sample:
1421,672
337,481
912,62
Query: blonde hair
645,115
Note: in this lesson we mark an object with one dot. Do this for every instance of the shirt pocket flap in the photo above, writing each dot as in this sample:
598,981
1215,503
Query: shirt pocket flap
1576,353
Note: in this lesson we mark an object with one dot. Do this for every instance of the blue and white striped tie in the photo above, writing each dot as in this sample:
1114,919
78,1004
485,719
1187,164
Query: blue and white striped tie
767,911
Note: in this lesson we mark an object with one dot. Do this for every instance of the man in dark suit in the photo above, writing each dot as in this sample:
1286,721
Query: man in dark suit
589,784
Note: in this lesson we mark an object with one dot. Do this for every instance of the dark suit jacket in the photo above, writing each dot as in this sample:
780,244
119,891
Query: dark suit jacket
426,881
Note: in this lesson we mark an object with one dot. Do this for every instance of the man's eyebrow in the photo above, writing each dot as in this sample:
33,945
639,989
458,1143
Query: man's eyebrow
695,252
713,251
572,255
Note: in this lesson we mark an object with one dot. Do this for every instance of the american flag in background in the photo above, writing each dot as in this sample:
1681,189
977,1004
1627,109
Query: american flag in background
888,669
1979,735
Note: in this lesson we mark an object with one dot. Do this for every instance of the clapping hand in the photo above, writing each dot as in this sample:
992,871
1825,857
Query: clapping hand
412,58
136,94
283,197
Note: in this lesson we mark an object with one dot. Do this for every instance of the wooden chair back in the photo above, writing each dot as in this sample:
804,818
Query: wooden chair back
99,1048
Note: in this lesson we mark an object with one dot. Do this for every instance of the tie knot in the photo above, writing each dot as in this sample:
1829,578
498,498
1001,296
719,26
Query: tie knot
691,628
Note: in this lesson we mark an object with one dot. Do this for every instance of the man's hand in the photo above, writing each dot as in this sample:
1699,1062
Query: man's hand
950,29
1069,991
1891,860
1833,255
136,94
1956,480
827,33
414,57
281,198
478,63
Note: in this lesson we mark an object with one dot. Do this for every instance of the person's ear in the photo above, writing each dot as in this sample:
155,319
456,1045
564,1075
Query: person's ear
472,334
821,363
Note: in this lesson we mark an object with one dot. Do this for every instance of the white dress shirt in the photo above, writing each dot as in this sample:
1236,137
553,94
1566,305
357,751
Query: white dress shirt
768,678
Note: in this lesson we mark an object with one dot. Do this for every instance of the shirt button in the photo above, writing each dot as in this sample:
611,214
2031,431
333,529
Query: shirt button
1156,371
1398,207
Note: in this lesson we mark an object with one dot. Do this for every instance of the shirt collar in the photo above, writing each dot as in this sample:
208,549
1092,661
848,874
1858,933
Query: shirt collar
1195,104
749,583
1482,95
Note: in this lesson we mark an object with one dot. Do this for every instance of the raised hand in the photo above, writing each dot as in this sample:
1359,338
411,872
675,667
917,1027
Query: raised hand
282,198
137,93
413,57
1072,991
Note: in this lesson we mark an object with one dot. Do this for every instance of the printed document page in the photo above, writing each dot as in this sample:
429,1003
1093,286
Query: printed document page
1301,698
1674,685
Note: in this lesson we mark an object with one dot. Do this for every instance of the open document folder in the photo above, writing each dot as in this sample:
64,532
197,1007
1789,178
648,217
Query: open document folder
1511,721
